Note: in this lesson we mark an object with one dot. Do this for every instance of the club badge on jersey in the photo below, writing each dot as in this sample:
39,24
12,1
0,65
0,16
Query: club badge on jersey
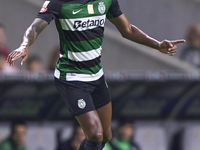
44,7
102,7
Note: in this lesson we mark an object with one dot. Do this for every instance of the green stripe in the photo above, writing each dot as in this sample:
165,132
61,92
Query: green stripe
61,33
66,14
71,69
84,46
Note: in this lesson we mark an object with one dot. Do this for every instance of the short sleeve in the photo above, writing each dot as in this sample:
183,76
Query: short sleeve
114,10
50,10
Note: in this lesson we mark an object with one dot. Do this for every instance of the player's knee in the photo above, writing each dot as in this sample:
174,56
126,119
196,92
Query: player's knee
96,133
96,136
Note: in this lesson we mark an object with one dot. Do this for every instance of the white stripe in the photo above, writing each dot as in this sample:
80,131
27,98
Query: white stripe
68,24
84,56
84,77
60,55
57,73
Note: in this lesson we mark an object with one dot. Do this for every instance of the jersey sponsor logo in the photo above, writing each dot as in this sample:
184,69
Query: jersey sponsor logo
102,7
44,7
90,9
81,104
89,23
76,12
82,24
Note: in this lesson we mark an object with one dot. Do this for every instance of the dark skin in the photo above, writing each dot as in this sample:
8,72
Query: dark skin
96,124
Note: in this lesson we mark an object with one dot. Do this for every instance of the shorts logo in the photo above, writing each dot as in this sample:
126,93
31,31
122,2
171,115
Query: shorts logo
102,7
81,104
44,7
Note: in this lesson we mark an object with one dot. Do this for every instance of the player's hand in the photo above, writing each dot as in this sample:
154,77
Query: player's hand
169,47
22,52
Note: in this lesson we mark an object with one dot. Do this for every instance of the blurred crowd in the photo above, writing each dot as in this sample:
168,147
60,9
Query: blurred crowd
16,139
4,52
123,140
190,53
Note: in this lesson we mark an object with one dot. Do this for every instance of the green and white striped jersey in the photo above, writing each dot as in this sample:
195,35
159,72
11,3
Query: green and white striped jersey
80,24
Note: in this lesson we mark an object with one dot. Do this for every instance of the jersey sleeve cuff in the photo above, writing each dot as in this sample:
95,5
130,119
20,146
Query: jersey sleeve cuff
44,18
110,16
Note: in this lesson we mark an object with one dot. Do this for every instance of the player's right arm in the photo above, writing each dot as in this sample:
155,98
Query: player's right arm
28,39
51,10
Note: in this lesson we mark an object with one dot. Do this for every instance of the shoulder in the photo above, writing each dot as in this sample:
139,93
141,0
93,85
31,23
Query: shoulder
55,3
52,4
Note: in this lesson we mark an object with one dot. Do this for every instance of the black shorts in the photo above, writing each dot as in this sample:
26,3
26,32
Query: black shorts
82,97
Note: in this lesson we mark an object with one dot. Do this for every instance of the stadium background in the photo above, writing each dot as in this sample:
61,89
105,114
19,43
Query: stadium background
158,92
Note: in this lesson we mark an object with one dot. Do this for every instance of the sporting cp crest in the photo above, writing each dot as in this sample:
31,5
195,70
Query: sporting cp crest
102,7
81,103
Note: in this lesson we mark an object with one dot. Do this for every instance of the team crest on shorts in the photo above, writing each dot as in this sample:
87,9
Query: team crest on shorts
102,7
81,103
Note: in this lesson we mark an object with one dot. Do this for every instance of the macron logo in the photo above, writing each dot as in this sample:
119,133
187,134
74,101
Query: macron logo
76,12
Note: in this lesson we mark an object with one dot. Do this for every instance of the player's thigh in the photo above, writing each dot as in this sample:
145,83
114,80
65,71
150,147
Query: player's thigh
91,124
105,115
102,103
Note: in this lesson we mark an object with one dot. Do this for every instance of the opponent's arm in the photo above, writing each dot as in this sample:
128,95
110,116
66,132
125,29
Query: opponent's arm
28,39
134,34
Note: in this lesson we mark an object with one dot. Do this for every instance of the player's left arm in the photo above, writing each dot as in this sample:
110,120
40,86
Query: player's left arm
134,34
